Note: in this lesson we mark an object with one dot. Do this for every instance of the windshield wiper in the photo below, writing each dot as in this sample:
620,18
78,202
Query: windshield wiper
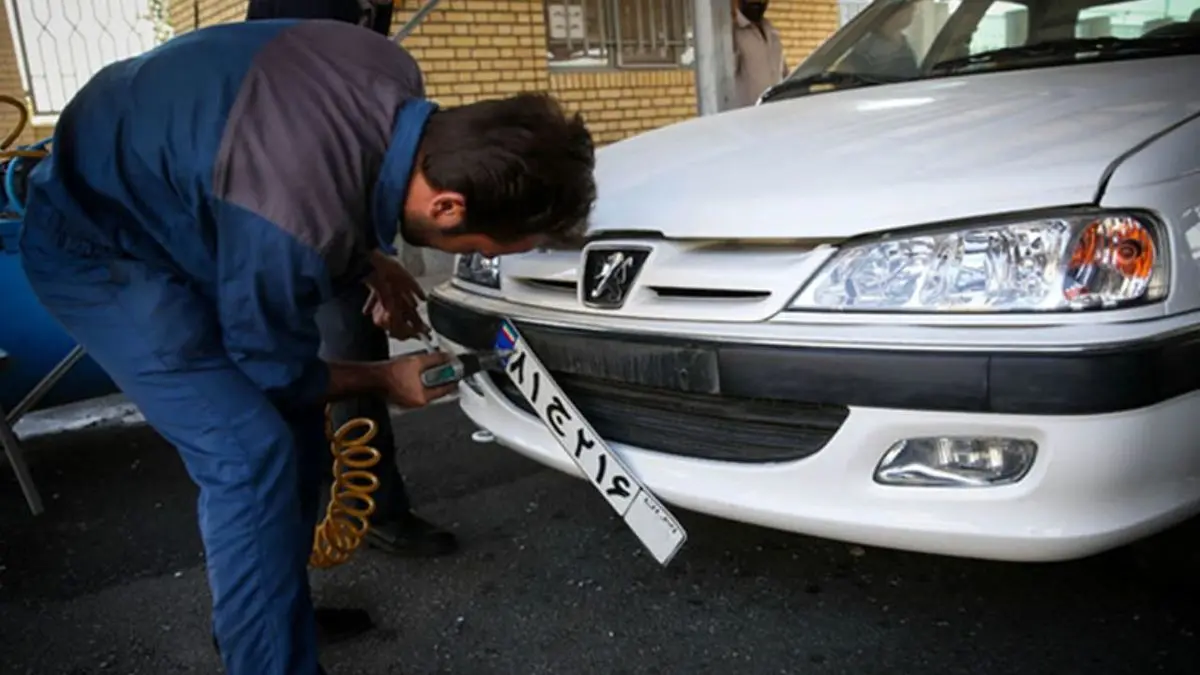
1056,50
838,80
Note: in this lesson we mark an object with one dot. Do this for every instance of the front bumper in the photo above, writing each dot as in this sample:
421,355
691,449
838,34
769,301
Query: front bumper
1117,455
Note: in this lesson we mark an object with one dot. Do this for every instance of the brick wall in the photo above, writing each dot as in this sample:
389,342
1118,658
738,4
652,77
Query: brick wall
182,13
803,25
472,49
10,77
11,85
619,104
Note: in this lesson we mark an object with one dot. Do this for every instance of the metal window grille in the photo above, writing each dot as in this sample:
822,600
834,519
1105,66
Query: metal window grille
62,44
619,33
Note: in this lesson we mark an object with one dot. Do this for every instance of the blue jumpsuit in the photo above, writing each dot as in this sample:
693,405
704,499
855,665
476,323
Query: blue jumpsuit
202,200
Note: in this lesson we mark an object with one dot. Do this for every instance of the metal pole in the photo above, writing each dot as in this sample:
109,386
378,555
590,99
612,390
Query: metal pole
16,457
411,25
42,388
713,22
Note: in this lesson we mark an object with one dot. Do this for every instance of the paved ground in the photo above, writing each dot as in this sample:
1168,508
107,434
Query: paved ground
111,581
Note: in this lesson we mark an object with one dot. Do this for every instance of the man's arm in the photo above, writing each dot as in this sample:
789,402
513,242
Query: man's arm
399,379
270,285
348,379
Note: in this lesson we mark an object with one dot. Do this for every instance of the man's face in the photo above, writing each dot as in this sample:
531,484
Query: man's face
752,9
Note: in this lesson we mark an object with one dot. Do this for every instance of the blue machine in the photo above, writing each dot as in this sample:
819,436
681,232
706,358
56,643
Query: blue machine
35,342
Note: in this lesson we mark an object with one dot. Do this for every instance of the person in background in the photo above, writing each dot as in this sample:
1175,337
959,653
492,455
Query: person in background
349,333
886,51
757,51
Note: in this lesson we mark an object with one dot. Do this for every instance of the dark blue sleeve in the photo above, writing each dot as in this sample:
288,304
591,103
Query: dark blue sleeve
269,287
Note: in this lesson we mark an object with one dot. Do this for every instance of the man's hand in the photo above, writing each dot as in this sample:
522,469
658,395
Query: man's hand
395,298
402,380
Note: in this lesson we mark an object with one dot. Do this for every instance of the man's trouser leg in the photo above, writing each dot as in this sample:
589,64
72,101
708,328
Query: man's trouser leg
161,343
349,335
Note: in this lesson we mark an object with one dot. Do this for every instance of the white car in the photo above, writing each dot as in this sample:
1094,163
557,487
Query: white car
949,304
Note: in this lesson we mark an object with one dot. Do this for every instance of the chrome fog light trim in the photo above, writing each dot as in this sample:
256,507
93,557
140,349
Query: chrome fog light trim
956,461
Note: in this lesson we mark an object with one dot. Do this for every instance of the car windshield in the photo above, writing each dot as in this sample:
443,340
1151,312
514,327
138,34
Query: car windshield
897,40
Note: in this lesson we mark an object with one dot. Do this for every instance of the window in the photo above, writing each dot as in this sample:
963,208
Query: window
619,33
848,9
894,40
61,44
1135,19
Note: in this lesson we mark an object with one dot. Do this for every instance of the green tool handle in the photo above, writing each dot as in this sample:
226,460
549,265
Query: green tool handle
459,367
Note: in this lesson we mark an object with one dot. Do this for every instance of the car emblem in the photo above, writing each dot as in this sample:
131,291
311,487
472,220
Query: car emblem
609,275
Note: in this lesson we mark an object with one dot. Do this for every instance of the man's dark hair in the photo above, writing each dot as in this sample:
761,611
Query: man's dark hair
522,164
376,16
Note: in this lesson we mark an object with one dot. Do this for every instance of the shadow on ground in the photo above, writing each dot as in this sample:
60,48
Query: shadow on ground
111,580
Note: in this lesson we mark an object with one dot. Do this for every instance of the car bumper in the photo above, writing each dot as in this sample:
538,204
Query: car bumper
1112,466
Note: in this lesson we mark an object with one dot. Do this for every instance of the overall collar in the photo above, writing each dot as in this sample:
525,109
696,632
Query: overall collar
391,189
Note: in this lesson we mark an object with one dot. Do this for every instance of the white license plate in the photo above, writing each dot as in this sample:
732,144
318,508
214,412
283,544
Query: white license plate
654,525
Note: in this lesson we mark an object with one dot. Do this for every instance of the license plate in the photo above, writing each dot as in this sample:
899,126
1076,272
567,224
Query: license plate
653,523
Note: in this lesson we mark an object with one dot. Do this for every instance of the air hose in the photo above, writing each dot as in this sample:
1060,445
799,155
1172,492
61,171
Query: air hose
347,516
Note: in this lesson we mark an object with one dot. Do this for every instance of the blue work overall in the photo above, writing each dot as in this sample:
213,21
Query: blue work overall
202,200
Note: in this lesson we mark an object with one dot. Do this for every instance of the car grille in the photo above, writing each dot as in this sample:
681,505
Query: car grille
693,425
655,394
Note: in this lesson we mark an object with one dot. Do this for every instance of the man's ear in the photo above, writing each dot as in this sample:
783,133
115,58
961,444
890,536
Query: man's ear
448,209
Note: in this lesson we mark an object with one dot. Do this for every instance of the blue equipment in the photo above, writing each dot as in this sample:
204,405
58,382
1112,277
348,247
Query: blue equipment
34,341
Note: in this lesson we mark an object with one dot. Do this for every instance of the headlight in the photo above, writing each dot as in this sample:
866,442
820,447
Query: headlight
1084,261
478,269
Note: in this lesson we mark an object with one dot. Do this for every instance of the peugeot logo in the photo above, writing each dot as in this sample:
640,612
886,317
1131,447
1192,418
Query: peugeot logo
609,275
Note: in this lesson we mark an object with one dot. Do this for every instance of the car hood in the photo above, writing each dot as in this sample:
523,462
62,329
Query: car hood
849,162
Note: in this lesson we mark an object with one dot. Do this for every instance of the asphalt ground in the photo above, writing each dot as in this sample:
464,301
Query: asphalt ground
111,580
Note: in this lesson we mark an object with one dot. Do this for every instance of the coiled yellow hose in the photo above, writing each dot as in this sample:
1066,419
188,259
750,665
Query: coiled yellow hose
348,515
22,122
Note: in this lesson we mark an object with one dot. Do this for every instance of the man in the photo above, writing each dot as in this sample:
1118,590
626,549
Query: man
886,50
205,198
347,332
757,51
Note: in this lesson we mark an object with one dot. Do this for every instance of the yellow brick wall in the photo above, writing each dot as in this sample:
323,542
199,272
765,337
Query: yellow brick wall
182,13
11,85
10,76
472,49
803,25
618,104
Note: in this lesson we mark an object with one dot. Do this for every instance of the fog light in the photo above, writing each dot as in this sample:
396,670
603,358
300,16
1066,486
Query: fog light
956,461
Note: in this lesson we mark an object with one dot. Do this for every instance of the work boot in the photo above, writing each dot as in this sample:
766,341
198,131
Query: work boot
335,624
411,536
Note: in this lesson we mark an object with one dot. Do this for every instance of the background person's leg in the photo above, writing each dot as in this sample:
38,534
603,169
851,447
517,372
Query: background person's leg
349,335
161,345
